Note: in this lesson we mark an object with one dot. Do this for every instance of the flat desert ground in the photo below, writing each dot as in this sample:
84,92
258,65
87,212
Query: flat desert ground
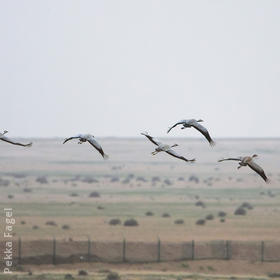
69,191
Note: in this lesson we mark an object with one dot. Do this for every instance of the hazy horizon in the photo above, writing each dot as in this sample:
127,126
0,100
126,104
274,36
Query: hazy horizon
121,67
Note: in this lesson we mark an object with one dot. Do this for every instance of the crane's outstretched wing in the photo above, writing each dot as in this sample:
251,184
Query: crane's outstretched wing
6,139
97,146
204,131
174,154
71,138
177,123
151,138
258,169
238,159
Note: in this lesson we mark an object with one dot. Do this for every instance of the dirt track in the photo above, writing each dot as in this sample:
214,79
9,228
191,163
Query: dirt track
229,268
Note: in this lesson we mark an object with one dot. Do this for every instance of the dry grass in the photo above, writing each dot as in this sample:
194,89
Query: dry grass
66,167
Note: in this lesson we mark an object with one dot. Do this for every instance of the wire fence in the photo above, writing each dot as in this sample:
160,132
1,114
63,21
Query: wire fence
70,251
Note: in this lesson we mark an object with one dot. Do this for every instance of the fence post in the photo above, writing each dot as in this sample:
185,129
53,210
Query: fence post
54,251
158,255
193,248
89,249
19,250
228,250
262,251
124,250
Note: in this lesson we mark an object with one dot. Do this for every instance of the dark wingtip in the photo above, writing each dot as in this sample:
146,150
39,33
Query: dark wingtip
145,133
212,143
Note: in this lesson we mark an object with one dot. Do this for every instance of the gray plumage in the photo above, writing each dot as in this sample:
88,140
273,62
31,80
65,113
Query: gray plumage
195,124
165,148
8,140
248,161
90,139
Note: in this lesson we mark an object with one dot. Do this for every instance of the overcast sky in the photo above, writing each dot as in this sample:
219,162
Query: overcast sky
116,68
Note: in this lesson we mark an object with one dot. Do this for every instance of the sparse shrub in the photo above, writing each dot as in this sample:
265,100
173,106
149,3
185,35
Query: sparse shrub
165,215
222,214
51,223
10,196
209,217
89,180
23,222
99,207
74,194
167,182
42,180
200,203
246,205
141,179
179,222
113,276
126,181
240,211
82,273
115,222
194,178
27,190
66,227
131,223
115,179
222,220
155,179
274,274
68,277
94,194
149,213
185,265
4,183
116,167
17,175
200,222
210,268
130,176
20,268
35,227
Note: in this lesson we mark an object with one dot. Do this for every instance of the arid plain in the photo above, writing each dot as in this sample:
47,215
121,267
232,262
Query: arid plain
69,192
53,182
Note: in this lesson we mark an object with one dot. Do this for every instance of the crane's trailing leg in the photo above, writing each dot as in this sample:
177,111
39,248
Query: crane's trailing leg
240,166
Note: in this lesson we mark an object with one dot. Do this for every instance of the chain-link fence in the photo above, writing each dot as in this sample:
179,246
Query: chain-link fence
61,251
